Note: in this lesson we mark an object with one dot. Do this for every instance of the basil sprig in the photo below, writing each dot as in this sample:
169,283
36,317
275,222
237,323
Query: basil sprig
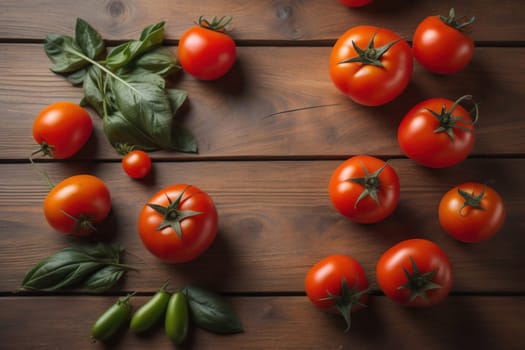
95,267
212,312
126,87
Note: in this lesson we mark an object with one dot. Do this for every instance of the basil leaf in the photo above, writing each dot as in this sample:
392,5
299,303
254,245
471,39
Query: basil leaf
123,54
177,98
88,39
183,140
93,85
71,266
77,78
60,50
119,129
104,278
142,99
159,61
211,312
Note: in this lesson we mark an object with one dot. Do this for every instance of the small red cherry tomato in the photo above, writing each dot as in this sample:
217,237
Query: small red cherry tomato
137,164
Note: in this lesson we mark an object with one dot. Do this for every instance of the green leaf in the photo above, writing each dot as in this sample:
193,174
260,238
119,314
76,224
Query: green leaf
119,129
212,312
77,78
183,140
177,98
142,99
89,40
104,278
59,49
93,90
123,54
159,61
72,266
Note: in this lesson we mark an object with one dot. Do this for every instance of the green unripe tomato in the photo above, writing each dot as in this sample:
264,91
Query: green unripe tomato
151,312
112,319
177,318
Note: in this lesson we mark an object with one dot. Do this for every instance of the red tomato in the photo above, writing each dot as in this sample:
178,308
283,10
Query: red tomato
137,164
438,132
205,51
364,189
337,283
178,223
415,272
371,65
441,45
472,212
355,3
61,129
76,204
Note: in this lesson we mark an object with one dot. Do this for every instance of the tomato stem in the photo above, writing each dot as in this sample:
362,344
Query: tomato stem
40,171
172,215
370,182
448,122
217,24
471,200
451,21
370,55
418,283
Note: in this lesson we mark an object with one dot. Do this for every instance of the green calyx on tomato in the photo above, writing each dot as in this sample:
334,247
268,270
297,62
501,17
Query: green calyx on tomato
418,283
172,214
471,200
216,24
451,21
370,182
348,298
370,55
447,121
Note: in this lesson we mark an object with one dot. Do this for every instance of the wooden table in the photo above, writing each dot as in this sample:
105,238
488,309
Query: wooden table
270,133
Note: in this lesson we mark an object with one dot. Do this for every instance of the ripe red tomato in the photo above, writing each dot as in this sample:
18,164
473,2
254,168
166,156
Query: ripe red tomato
61,129
438,132
205,51
371,65
355,3
137,164
472,212
337,283
364,189
442,45
178,223
76,204
415,272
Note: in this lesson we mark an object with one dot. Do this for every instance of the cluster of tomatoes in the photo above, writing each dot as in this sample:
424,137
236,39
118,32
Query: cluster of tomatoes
373,66
180,221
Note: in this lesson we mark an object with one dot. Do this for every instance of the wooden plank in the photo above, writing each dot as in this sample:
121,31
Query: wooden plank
280,323
254,20
261,110
275,222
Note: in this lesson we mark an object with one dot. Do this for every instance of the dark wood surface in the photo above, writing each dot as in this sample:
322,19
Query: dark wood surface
270,133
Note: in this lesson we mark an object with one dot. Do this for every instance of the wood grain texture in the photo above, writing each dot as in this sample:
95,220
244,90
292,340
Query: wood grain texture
275,222
262,109
266,20
280,323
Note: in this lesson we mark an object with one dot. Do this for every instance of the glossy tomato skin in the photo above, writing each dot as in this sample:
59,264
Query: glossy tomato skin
419,141
206,54
428,257
345,193
355,3
198,231
77,197
441,48
367,84
137,164
63,126
467,223
326,275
